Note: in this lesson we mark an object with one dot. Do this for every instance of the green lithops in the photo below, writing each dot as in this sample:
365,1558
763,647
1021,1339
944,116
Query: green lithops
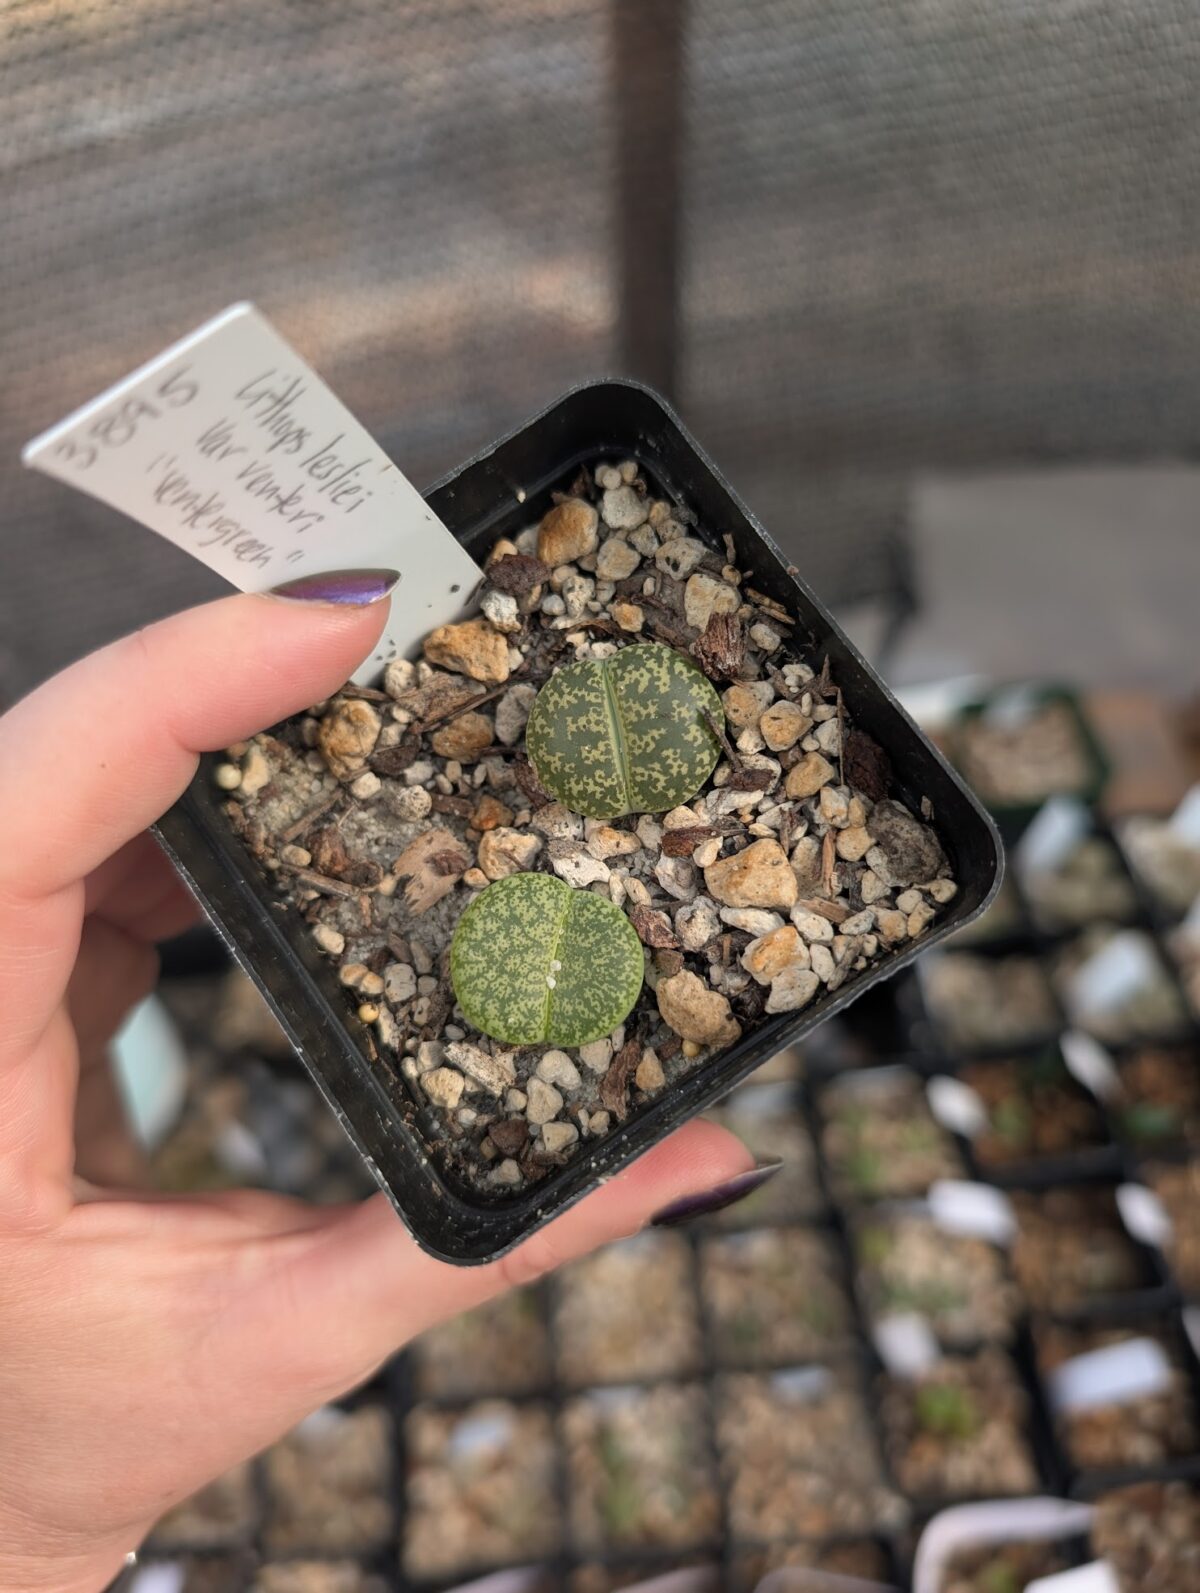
534,962
626,734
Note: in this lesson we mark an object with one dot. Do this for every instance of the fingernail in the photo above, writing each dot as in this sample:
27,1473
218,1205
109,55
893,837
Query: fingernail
707,1201
354,588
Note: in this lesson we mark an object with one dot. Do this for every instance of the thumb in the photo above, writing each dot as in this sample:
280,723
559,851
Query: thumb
363,1287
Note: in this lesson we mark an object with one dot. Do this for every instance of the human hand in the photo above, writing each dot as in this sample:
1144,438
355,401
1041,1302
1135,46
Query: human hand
149,1342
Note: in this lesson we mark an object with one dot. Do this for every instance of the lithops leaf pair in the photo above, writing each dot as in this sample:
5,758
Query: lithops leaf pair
626,734
534,962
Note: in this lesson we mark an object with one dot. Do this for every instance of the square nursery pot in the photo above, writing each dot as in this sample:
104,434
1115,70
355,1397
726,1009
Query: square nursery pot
494,494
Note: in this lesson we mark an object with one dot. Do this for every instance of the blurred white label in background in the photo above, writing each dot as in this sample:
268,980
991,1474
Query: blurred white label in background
956,1105
906,1344
1090,1064
1113,1375
976,1211
233,449
1185,821
1111,976
1098,1577
1053,834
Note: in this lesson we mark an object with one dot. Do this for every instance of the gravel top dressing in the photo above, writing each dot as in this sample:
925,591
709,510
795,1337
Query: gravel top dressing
592,837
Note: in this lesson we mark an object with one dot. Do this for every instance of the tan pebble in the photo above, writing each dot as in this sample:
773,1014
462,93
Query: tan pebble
858,812
853,844
352,974
471,648
489,813
920,918
872,887
475,879
368,1012
370,985
505,851
908,901
744,703
794,988
782,726
707,852
330,940
227,776
463,737
892,924
695,1011
691,1050
758,876
815,928
366,786
568,532
628,616
835,807
297,856
823,965
649,1076
557,1136
942,890
347,735
605,840
444,1087
704,596
616,560
256,772
806,778
765,959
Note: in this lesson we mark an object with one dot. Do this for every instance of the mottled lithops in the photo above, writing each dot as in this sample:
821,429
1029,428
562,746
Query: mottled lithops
625,734
534,962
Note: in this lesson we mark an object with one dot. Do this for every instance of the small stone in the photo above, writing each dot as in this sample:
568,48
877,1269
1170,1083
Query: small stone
407,802
697,923
908,901
495,1074
568,533
557,1136
571,861
707,852
753,920
913,852
607,477
835,806
829,737
464,737
430,1054
605,841
444,1087
502,609
745,703
471,648
544,1101
750,741
806,862
256,771
616,560
504,851
297,856
822,962
942,890
352,974
860,924
782,725
628,616
794,988
598,1124
371,984
475,879
892,924
227,776
556,1067
873,889
596,1055
920,918
621,508
399,982
649,1075
704,596
366,786
765,636
695,1012
649,832
346,736
679,557
677,876
645,539
628,469
489,813
557,823
806,778
758,876
506,1175
853,844
330,940
512,712
515,1101
765,959
399,678
815,928
680,818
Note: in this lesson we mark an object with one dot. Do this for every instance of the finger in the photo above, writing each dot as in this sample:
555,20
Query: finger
137,890
99,752
362,1285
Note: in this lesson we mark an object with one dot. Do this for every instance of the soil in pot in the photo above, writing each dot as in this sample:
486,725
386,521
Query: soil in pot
983,1003
702,1576
315,1576
858,1558
774,1297
1179,1190
628,1314
499,1348
482,1488
1003,1567
1159,1101
1020,761
381,815
1150,1533
959,1429
879,1137
1089,886
1034,1108
1072,1249
800,1458
1145,1431
960,1285
1166,862
766,1119
640,1468
329,1484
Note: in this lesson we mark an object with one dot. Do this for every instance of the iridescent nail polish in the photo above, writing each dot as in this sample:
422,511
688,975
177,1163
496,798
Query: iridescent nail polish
351,588
708,1201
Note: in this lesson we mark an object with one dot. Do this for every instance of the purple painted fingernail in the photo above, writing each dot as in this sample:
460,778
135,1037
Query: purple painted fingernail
688,1207
353,588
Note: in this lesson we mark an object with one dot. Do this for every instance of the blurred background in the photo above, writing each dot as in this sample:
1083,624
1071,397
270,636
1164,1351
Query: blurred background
922,275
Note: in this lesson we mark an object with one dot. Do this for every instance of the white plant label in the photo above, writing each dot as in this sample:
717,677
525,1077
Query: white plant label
1090,1064
1185,821
975,1211
1055,832
1144,1215
233,449
1114,1375
1096,1577
1111,976
906,1344
956,1105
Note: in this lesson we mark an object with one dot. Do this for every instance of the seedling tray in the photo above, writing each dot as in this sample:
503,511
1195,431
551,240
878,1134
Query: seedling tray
497,493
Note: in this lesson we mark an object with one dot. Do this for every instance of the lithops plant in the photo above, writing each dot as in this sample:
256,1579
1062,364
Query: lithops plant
625,734
534,962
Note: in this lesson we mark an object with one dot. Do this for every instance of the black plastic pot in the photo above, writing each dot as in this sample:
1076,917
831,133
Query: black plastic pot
498,492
